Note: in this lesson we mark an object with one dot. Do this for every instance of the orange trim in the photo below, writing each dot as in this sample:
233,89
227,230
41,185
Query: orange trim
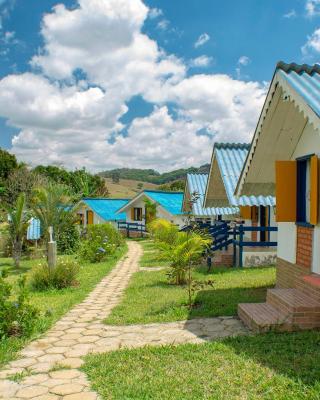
245,212
286,191
89,217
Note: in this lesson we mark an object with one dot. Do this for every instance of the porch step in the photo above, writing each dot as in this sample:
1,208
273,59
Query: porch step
292,301
263,317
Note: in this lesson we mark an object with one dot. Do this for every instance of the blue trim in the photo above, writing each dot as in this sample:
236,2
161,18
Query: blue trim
301,190
304,158
305,224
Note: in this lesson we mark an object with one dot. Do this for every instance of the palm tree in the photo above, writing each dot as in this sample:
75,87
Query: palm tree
150,210
18,225
50,205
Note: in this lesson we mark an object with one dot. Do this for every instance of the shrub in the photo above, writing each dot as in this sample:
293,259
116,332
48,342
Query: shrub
163,231
17,315
68,239
62,276
99,242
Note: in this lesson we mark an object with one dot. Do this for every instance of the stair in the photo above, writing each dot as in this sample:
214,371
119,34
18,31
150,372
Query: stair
284,310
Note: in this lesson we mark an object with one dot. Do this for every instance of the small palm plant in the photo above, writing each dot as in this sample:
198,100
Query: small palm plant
185,251
18,225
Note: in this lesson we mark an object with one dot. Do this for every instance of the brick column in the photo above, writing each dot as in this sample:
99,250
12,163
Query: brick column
304,246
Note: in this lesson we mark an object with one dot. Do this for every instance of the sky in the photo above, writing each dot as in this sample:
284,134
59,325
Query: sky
105,84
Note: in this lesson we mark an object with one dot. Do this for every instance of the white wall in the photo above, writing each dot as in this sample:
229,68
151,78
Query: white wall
161,213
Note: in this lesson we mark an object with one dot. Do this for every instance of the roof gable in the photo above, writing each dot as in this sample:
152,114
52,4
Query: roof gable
294,90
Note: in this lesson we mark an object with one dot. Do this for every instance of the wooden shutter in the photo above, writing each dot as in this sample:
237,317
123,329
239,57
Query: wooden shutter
245,212
89,217
286,191
314,190
254,214
132,214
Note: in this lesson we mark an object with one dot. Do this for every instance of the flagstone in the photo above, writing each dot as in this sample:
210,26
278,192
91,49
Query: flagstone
69,388
31,392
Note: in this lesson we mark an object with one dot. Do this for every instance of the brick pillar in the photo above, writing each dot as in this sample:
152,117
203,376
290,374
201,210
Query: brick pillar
304,246
254,235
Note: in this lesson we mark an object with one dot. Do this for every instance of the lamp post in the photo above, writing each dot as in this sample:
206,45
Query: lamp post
52,250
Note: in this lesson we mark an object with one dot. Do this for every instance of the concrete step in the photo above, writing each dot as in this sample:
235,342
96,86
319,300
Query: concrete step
263,317
292,301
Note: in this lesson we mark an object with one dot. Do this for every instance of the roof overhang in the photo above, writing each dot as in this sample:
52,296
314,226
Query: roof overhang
283,118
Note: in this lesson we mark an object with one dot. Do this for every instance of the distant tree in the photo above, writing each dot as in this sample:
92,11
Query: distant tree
22,180
140,185
175,186
115,176
8,163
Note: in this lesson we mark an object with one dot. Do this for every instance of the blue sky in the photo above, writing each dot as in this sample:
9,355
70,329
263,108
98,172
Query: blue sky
100,91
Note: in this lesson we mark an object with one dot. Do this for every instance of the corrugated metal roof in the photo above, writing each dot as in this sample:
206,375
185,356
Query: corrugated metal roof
170,201
106,208
231,158
197,183
33,231
305,80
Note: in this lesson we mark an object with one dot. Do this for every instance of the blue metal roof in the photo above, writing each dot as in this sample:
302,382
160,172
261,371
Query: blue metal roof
231,158
170,201
305,80
106,208
197,183
33,231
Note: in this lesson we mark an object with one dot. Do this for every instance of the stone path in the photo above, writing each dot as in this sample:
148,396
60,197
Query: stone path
48,369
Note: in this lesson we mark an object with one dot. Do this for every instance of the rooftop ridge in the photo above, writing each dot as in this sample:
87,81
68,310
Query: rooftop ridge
298,68
102,198
160,191
222,145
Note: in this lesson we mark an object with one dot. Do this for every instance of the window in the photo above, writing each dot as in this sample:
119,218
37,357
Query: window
137,214
303,190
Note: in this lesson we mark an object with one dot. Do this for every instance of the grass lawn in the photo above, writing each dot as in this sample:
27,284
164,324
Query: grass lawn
271,366
54,303
149,298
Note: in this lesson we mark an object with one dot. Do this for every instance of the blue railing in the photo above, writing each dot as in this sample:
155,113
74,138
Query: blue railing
241,242
132,227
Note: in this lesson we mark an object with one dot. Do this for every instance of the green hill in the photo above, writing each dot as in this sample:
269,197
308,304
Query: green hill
152,176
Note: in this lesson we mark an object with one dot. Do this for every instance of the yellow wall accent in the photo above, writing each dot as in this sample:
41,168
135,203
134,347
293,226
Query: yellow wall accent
314,190
89,217
286,191
245,212
132,214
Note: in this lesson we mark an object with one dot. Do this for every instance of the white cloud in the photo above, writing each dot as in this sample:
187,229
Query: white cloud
244,60
63,120
313,8
155,13
163,24
312,45
202,61
202,39
290,14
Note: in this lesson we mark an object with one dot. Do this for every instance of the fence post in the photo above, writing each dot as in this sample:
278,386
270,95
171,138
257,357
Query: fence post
234,246
241,232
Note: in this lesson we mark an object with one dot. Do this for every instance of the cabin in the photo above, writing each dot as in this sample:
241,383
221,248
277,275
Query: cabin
254,212
196,184
100,211
168,206
283,159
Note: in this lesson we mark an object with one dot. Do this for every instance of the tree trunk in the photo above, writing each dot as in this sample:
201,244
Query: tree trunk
16,252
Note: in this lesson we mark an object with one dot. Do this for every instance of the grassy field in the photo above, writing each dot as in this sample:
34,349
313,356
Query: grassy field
150,257
149,298
54,303
126,188
264,367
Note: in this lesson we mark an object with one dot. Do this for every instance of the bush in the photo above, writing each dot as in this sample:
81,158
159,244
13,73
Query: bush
163,231
68,239
17,315
62,276
99,242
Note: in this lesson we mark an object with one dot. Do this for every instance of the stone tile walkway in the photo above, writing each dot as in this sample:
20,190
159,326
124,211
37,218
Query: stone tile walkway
49,365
